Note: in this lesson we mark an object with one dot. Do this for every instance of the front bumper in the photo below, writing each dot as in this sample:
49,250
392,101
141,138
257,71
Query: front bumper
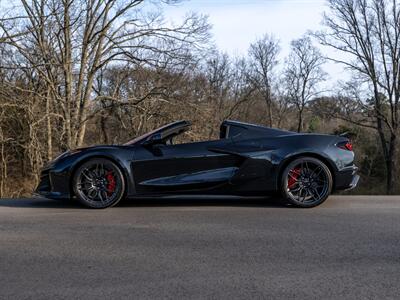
52,185
347,178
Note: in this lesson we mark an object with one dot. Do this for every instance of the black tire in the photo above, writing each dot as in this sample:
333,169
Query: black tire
306,182
98,183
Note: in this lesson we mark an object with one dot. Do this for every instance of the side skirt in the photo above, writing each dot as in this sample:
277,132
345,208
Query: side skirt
202,197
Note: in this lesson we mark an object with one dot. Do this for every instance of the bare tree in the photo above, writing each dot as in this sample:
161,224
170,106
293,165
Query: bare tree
263,55
303,74
368,31
218,74
67,42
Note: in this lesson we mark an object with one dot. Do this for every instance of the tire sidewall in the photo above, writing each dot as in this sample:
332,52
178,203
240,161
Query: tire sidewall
284,182
94,161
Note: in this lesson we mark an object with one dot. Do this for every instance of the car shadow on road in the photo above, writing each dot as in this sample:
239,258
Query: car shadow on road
190,202
37,202
148,202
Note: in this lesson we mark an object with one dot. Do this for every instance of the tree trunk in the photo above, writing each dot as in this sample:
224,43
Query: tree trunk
68,75
3,165
49,129
300,123
269,107
103,127
271,123
391,166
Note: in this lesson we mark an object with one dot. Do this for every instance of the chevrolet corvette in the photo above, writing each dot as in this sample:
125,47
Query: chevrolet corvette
247,160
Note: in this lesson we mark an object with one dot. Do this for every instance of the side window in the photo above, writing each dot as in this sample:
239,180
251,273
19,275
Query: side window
236,131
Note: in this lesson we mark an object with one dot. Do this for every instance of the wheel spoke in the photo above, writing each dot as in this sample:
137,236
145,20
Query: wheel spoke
88,175
92,194
295,184
314,173
85,186
97,170
316,194
300,194
307,168
295,171
307,194
101,196
103,171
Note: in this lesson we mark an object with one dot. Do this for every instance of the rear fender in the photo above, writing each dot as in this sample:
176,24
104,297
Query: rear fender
288,159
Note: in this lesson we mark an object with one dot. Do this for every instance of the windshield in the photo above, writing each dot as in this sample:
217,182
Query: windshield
142,137
178,125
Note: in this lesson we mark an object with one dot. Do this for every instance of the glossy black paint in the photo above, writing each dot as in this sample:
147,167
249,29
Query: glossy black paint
246,161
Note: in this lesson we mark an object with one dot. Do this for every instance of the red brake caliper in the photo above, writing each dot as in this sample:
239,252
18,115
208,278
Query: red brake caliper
292,177
111,183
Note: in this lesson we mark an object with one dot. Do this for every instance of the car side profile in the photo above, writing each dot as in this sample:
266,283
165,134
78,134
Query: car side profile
247,160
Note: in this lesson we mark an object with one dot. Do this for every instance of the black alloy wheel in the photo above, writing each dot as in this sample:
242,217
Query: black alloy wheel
99,183
306,182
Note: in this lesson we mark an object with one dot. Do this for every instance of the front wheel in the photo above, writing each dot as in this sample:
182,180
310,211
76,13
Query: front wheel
306,182
98,183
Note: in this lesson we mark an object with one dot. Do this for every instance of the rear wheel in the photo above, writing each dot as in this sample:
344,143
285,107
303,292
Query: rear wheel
98,183
306,182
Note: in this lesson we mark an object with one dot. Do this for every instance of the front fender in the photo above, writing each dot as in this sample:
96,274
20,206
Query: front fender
63,170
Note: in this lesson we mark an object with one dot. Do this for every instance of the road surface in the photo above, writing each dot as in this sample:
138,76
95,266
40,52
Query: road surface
348,248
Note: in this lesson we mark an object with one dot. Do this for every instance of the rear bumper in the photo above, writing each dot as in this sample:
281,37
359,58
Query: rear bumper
353,183
347,178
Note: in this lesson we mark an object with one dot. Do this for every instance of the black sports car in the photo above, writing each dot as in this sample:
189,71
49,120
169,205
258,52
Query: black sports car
247,160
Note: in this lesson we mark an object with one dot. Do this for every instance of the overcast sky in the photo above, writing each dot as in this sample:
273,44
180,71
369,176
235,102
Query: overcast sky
237,23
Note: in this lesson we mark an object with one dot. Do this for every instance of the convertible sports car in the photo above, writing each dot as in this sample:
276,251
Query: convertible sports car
247,160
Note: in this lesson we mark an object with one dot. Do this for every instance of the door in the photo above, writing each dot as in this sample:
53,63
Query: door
183,168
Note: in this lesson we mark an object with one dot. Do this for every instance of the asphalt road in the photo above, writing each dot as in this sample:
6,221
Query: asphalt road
348,248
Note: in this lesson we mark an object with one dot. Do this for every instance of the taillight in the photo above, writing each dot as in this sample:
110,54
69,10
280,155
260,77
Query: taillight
346,146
